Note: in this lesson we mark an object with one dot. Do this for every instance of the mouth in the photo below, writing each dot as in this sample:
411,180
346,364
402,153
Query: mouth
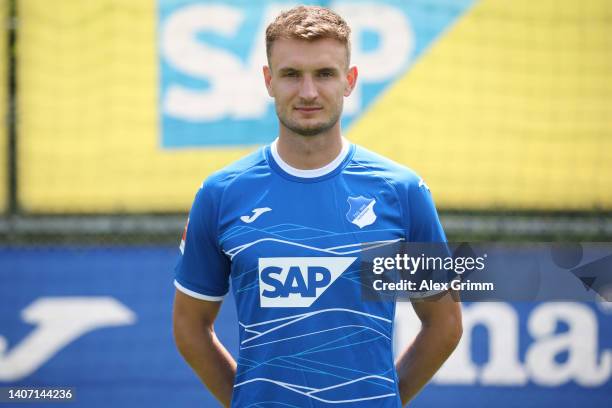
308,109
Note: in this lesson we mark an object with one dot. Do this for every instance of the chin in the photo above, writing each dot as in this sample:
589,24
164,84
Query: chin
308,128
309,131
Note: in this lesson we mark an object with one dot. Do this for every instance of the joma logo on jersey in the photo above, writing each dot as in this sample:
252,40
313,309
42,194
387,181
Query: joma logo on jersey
298,282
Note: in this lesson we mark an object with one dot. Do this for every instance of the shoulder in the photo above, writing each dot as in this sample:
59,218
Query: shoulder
396,174
220,180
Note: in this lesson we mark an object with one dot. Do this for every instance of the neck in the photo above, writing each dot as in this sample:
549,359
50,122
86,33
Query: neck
309,152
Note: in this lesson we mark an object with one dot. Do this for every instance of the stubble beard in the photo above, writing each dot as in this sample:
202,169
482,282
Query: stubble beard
308,130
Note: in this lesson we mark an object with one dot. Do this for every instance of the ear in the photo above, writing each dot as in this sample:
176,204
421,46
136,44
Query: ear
351,80
267,73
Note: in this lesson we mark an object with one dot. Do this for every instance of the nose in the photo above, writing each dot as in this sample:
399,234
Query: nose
308,89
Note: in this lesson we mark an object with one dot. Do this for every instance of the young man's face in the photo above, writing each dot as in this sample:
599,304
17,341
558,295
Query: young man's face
308,81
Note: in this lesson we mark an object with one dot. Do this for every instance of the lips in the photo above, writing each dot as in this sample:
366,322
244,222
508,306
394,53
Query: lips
308,109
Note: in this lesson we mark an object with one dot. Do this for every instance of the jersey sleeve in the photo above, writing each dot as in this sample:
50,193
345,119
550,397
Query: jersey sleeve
425,228
423,221
203,269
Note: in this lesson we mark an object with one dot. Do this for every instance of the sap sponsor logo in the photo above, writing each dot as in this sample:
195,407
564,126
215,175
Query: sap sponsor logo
586,364
58,322
230,73
298,281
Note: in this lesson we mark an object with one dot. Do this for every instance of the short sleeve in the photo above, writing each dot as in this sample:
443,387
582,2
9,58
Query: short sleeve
424,224
425,227
203,269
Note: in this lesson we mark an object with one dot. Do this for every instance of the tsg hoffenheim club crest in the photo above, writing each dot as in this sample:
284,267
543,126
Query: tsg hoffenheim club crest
361,211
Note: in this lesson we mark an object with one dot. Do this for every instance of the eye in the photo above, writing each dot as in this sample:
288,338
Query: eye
290,74
326,74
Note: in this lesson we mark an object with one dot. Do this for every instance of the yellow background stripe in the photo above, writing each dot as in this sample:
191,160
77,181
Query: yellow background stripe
511,109
89,119
3,104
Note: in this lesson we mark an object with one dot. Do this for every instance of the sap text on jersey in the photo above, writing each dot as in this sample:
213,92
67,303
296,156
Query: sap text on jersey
298,281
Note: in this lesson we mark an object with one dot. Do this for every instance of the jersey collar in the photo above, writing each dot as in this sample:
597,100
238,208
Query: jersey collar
313,173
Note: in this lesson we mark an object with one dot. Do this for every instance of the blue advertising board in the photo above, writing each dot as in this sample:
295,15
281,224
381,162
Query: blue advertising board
99,320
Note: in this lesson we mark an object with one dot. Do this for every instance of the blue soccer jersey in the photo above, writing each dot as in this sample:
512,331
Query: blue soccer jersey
289,242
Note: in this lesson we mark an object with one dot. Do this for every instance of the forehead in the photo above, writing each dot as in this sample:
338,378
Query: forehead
302,54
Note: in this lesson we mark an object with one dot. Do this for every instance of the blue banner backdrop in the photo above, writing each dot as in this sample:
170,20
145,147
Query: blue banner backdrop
99,320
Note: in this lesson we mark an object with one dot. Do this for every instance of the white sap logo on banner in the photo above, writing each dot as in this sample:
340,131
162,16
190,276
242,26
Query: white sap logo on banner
230,76
212,54
586,364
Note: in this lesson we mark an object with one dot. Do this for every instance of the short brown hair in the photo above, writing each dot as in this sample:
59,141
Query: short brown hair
309,23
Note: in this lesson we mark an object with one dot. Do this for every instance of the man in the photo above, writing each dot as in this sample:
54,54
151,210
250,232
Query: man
286,226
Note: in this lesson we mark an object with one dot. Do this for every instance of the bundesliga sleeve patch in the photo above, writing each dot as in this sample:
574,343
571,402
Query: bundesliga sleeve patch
184,237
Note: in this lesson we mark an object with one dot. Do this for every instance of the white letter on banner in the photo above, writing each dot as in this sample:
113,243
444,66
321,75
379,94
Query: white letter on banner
504,366
181,49
255,98
396,43
580,342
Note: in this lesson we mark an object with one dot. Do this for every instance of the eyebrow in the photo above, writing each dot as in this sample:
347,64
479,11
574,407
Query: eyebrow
328,69
286,70
324,69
